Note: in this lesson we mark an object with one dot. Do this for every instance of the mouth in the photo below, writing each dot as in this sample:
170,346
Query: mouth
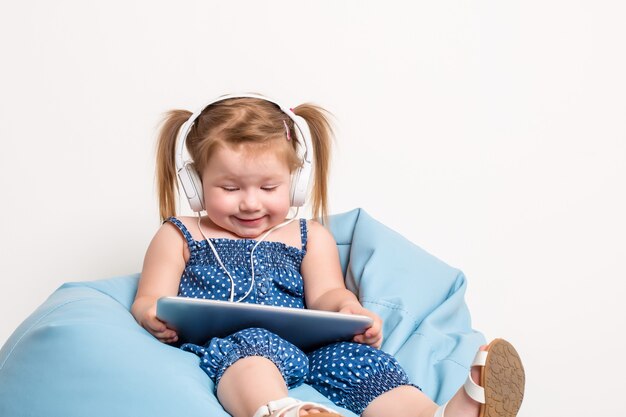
250,222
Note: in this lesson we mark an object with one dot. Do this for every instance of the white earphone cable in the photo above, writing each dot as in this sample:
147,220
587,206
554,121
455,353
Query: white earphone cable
221,264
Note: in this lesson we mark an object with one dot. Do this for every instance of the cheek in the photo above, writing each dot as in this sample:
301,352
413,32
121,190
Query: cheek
282,201
217,201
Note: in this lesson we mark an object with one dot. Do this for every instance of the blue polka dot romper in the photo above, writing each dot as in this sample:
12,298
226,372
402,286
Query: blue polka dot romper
349,374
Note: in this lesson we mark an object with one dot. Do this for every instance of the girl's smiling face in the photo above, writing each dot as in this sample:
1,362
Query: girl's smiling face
246,190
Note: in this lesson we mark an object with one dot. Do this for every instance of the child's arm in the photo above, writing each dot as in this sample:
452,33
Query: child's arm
162,268
324,286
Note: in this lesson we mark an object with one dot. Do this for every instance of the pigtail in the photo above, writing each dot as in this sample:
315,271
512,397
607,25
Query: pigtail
321,136
167,183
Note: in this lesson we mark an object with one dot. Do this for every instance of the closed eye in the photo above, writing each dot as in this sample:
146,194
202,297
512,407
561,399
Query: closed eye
269,187
229,189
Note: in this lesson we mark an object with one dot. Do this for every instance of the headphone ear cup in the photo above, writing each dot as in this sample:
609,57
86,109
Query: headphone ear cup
198,205
293,187
300,185
192,186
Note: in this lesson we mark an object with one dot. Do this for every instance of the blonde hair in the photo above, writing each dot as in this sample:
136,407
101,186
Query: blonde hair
243,121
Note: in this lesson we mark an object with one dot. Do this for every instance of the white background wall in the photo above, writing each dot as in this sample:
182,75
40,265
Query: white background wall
493,134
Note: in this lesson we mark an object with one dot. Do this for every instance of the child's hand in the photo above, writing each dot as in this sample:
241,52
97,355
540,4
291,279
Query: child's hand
372,336
151,323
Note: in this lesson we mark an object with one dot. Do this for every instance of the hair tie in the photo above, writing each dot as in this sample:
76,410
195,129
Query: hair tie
287,130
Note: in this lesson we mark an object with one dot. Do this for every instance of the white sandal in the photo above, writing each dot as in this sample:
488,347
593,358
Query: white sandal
290,407
502,379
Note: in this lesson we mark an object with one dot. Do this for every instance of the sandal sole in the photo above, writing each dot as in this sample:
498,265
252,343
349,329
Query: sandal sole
503,379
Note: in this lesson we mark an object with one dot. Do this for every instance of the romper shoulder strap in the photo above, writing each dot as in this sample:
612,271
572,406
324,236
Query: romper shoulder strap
303,233
183,230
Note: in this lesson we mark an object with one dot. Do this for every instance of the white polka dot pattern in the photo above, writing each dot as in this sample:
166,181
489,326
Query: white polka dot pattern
277,279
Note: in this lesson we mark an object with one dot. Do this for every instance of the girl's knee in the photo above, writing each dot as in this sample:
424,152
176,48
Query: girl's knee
220,353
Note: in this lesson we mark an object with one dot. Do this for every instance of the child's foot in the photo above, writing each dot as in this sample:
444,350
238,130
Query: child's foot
314,411
496,387
291,407
462,405
317,412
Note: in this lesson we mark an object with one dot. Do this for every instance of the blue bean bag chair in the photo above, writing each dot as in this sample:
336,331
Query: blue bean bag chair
82,354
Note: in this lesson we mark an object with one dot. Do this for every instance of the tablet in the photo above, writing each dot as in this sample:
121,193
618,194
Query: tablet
198,320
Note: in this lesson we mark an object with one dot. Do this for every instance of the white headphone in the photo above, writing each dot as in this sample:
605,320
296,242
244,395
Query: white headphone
190,179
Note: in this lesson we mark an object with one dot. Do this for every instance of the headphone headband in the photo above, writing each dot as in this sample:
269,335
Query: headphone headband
190,179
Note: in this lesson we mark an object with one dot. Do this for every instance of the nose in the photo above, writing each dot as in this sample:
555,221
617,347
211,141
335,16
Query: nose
250,201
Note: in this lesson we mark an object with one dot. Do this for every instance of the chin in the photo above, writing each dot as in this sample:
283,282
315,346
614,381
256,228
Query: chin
246,234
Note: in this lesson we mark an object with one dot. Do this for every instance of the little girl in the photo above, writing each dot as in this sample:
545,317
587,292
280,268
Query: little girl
251,163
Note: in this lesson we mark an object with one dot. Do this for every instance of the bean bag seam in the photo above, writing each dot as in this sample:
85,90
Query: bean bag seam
397,307
453,361
391,306
35,324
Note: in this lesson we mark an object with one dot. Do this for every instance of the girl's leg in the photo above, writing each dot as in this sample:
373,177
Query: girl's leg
241,394
251,368
410,402
353,375
261,382
401,401
371,382
248,384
